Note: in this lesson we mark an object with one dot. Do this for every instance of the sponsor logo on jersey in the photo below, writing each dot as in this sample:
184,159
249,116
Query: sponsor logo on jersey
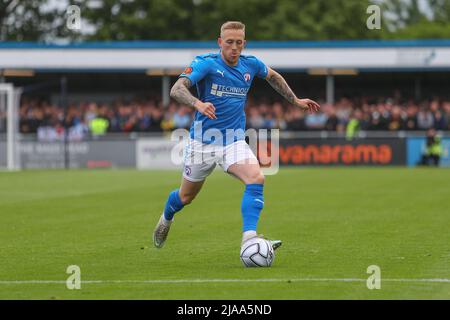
228,91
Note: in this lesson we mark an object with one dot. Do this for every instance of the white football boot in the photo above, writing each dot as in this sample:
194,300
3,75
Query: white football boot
161,232
275,243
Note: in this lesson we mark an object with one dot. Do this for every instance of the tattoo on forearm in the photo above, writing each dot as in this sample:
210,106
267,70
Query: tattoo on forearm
280,85
180,92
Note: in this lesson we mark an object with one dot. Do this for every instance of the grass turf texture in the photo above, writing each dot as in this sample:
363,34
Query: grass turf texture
334,222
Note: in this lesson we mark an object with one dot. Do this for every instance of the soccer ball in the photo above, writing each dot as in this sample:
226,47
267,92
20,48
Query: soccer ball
257,252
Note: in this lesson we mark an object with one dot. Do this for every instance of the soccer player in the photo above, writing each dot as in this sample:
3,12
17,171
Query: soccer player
223,80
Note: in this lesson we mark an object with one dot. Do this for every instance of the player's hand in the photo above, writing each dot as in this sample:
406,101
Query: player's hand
307,105
206,108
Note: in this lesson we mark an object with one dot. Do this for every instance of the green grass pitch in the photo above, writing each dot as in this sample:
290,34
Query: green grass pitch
335,222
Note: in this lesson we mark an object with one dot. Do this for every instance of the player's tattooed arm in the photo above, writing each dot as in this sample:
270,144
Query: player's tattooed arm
180,92
280,85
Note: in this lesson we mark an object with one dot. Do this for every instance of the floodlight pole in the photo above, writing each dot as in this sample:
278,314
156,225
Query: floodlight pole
165,90
12,125
330,88
417,88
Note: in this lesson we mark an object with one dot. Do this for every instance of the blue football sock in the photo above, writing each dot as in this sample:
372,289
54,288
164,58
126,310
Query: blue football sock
252,204
173,205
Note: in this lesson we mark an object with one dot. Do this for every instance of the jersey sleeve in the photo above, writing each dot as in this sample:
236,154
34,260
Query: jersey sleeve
197,70
260,68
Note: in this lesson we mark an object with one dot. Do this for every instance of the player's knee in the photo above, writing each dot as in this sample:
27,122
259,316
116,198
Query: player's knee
187,198
261,178
257,178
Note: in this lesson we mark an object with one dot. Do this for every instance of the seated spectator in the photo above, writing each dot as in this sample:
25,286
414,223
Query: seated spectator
255,120
156,119
114,125
167,123
425,119
354,126
440,122
379,117
332,119
50,133
295,120
446,108
279,120
143,119
344,109
78,132
91,113
411,119
148,115
182,118
316,121
397,119
98,126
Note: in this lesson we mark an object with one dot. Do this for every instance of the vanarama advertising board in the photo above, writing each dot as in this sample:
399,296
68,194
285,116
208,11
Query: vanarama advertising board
342,152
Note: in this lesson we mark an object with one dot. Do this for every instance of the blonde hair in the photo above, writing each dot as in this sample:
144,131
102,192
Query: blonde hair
232,25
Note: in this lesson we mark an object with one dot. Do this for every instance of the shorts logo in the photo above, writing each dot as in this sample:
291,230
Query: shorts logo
247,77
188,70
187,170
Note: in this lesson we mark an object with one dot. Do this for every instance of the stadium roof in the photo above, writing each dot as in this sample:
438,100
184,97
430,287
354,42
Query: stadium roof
175,55
159,44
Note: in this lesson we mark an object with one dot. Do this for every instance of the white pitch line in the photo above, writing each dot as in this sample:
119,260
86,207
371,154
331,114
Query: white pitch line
175,281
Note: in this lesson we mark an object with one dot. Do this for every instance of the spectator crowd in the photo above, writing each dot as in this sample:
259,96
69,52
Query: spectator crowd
388,114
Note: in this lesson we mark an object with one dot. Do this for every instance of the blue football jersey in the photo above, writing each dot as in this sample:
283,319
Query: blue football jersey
226,88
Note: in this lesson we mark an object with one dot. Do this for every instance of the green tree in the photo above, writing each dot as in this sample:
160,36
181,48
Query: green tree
441,10
406,20
424,30
401,13
140,19
36,20
28,20
291,19
201,19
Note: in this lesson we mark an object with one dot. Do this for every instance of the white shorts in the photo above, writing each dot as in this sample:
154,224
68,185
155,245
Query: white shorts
200,159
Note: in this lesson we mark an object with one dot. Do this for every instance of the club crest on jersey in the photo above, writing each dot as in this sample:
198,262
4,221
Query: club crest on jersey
247,77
